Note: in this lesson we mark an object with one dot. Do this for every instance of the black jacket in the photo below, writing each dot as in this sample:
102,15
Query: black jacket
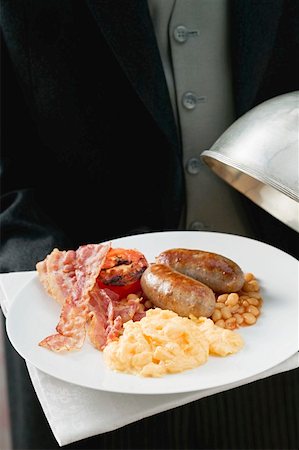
90,149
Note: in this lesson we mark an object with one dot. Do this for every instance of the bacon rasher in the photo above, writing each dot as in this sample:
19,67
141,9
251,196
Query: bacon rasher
108,314
69,277
57,274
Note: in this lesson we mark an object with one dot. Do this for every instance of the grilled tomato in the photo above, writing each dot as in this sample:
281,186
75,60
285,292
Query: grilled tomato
122,271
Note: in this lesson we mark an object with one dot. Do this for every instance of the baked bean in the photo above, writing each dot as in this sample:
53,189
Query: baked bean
216,315
222,298
226,314
253,310
251,286
249,276
243,297
220,323
253,301
219,305
231,323
234,309
232,299
249,318
239,318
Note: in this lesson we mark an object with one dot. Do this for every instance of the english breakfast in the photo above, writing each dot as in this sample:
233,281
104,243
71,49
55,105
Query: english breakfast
149,318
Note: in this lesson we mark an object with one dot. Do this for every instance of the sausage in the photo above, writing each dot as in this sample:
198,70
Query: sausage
169,289
216,271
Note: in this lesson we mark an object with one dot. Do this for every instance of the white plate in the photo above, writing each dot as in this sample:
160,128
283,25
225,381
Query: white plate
34,315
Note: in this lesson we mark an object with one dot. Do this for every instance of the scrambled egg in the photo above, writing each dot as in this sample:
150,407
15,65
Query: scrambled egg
163,342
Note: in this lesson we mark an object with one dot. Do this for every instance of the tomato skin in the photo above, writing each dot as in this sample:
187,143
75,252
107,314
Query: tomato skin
122,291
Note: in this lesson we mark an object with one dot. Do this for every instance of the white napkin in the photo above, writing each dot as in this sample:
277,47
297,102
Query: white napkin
76,413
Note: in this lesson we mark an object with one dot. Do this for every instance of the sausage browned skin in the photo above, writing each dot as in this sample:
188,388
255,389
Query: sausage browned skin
169,289
216,271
